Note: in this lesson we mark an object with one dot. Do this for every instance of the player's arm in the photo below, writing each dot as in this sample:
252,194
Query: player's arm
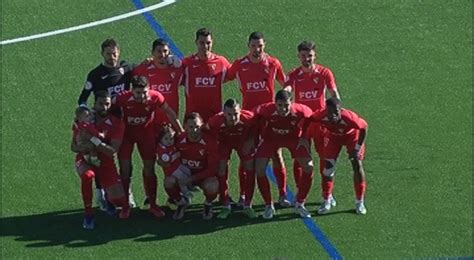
172,117
280,75
76,148
331,84
360,124
86,91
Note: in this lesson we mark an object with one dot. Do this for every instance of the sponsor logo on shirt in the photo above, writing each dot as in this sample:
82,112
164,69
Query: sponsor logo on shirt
192,163
136,120
308,95
256,86
117,89
280,131
163,88
205,82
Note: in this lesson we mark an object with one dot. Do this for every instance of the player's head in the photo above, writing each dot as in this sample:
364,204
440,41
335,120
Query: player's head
232,111
307,53
192,125
166,135
102,103
203,41
140,88
83,114
160,50
110,52
333,106
256,44
283,102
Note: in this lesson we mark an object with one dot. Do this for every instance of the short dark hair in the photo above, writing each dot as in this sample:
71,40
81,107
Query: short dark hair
139,82
82,109
109,43
333,102
192,116
158,42
307,46
256,36
283,95
203,32
165,128
231,102
101,94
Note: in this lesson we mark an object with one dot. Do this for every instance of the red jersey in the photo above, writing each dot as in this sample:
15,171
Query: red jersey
203,81
168,154
89,127
164,80
310,87
239,133
112,129
200,157
136,115
349,122
256,80
279,127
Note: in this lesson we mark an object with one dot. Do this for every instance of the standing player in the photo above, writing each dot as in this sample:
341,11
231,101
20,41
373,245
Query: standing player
199,153
256,74
138,106
113,76
106,147
283,121
235,129
204,74
164,74
309,83
344,128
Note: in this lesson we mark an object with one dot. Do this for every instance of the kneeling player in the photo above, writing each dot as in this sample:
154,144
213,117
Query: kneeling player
199,153
344,128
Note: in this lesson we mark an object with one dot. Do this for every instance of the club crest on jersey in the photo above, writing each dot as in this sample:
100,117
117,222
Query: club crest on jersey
202,152
292,122
212,66
121,70
316,80
172,74
147,108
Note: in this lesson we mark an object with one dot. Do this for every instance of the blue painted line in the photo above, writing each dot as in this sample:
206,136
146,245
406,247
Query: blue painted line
160,32
309,223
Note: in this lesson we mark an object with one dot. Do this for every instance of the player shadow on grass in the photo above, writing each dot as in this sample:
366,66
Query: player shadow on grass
63,228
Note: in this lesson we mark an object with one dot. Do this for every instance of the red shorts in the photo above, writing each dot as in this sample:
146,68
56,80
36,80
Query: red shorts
268,147
333,145
107,174
225,150
145,140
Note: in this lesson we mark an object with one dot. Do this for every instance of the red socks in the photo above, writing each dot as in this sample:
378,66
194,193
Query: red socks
150,183
264,187
242,179
359,188
280,176
327,185
304,186
297,172
249,190
224,189
86,191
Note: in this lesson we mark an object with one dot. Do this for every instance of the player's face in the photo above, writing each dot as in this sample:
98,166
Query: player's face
193,128
232,115
160,53
283,107
204,44
167,139
102,106
334,114
85,116
257,48
307,58
140,94
111,56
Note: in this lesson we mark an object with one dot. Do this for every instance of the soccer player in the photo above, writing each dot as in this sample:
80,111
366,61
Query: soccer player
344,128
113,76
199,153
204,74
283,121
138,106
236,129
164,74
310,81
256,73
112,129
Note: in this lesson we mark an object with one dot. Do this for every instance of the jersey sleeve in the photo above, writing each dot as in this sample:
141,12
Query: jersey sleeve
232,71
139,71
280,75
290,79
86,90
355,121
329,79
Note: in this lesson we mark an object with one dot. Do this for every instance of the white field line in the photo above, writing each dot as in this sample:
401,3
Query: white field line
88,25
